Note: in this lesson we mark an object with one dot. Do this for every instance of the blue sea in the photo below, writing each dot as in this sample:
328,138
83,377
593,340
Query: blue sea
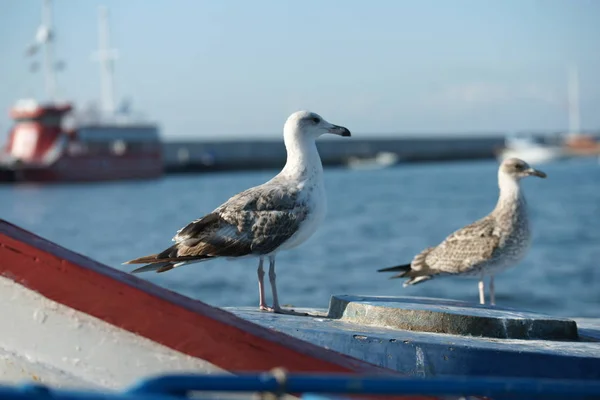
376,218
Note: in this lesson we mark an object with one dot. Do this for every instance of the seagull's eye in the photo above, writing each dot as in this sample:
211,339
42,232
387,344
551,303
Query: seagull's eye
316,120
519,166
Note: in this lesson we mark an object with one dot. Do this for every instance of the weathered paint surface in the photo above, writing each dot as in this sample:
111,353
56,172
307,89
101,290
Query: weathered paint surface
589,328
183,324
48,342
210,337
433,354
70,293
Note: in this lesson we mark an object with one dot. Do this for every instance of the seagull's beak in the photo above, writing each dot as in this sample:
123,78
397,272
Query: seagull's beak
535,172
338,130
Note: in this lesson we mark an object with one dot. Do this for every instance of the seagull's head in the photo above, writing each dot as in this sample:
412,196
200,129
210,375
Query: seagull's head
518,169
306,124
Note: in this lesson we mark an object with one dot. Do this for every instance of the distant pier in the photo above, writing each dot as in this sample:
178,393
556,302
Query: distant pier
223,155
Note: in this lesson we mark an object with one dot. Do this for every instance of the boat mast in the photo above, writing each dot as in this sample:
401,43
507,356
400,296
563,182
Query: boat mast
46,36
106,56
573,89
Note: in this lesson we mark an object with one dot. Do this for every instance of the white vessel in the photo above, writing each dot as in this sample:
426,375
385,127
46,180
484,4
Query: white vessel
383,159
535,150
531,149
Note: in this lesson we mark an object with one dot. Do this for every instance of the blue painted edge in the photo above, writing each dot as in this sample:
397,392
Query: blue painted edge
316,385
315,396
420,354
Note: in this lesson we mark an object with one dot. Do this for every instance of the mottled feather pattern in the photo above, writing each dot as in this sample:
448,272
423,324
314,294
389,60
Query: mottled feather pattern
255,221
515,238
465,250
419,263
486,246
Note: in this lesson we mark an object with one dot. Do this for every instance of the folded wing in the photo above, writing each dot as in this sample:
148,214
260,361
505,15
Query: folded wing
256,221
466,249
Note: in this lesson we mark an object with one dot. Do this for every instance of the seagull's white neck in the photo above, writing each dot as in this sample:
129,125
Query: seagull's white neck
509,186
511,199
303,161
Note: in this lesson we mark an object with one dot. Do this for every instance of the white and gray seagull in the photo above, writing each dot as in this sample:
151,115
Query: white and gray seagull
486,247
264,220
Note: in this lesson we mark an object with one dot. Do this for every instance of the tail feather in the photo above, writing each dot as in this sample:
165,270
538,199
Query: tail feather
416,279
399,268
167,255
165,261
143,260
154,259
158,267
405,271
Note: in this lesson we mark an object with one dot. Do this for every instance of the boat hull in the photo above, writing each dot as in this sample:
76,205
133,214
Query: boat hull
76,322
87,169
535,155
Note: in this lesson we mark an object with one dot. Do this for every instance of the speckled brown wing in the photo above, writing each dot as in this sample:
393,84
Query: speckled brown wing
256,221
465,250
249,232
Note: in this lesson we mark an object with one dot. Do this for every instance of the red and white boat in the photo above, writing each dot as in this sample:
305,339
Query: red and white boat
51,141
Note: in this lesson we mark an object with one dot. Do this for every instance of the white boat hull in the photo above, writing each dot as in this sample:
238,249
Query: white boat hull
533,155
380,161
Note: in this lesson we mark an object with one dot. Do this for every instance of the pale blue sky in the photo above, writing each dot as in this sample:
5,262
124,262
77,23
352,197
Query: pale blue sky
223,68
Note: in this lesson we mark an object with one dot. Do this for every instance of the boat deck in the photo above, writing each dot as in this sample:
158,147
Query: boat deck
428,354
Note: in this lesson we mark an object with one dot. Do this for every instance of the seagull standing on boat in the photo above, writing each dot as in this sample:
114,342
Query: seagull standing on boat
485,247
264,220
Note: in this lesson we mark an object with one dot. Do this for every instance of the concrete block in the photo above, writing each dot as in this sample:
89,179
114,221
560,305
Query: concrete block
450,317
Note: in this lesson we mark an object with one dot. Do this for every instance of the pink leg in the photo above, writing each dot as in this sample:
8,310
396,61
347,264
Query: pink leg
272,276
492,291
481,291
261,285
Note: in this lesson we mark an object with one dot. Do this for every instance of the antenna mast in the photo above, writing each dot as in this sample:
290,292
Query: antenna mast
105,55
45,35
573,88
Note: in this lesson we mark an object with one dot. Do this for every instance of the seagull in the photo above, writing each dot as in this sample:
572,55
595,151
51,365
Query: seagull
261,221
486,247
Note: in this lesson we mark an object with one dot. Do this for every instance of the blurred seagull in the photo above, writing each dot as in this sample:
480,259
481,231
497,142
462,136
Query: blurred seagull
264,220
486,247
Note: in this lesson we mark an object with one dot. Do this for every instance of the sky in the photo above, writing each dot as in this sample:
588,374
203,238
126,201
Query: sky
237,68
